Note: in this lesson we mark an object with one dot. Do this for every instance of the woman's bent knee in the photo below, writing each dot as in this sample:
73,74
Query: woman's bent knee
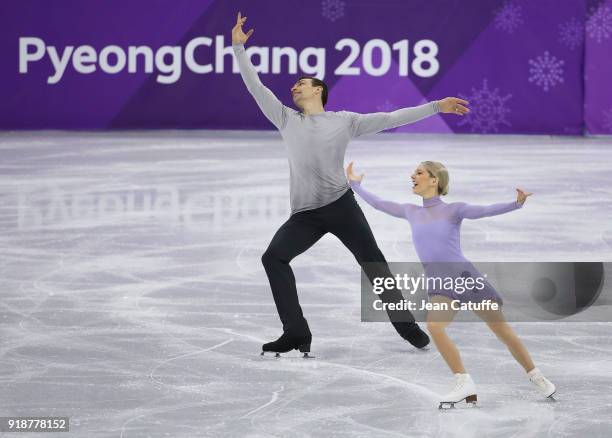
502,330
436,326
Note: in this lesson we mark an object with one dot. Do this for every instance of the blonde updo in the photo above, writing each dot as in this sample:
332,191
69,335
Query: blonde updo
437,170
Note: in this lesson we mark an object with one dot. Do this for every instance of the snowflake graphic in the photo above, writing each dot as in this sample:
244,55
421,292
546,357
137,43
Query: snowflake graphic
332,9
546,71
599,24
571,33
607,120
488,109
509,17
386,106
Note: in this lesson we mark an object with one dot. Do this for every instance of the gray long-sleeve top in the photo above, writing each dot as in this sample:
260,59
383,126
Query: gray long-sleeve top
316,143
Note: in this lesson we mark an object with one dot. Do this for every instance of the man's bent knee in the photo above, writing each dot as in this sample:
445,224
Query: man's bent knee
270,256
370,254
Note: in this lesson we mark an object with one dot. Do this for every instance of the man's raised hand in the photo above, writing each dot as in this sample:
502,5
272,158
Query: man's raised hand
453,105
238,36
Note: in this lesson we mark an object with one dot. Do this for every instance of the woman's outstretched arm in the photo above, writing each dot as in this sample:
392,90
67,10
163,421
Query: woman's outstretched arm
469,211
389,207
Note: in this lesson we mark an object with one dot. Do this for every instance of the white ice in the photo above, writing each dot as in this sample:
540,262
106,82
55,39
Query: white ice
134,301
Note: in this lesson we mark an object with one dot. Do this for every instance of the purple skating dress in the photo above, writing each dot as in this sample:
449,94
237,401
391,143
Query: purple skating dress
436,236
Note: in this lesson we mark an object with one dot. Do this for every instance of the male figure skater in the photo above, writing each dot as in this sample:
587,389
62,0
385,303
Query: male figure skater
321,199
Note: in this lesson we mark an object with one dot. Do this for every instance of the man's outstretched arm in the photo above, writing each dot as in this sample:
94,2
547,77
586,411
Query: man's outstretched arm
362,124
269,104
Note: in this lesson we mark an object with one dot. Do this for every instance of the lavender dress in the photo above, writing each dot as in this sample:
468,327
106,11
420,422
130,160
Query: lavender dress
436,235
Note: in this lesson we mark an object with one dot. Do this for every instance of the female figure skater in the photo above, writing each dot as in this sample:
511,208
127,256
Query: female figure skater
435,231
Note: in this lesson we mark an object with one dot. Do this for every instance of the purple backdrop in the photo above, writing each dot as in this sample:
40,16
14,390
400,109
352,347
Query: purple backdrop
598,68
536,67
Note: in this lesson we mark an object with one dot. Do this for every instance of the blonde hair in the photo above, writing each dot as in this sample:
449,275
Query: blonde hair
437,170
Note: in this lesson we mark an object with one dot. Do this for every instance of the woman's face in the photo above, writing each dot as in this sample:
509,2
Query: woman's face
423,182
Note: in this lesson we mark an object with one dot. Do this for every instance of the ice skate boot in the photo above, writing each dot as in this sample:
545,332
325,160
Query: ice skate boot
465,389
287,343
545,386
412,333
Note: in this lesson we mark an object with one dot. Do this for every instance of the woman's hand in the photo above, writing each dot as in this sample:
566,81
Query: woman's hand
238,36
351,176
521,196
453,105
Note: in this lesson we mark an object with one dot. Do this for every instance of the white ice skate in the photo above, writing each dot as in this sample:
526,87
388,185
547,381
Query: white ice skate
545,386
465,389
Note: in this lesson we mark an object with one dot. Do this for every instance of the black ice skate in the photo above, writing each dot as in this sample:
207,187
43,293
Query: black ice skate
287,343
412,333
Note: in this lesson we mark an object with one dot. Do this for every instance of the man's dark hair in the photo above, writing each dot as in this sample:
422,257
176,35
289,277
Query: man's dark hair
318,83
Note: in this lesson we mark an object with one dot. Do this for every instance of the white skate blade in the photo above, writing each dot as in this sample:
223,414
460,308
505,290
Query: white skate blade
470,400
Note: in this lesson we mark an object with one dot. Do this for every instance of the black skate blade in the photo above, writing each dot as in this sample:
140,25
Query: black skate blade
287,355
270,354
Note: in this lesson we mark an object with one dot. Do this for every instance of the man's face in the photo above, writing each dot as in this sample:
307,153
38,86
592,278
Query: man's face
303,91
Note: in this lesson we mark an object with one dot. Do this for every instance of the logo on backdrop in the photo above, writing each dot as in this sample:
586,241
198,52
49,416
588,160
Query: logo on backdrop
374,58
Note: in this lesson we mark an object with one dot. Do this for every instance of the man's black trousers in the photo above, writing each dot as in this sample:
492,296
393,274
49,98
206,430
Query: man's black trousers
344,219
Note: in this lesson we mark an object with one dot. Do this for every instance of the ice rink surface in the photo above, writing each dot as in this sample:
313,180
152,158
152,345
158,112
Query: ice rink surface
134,301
